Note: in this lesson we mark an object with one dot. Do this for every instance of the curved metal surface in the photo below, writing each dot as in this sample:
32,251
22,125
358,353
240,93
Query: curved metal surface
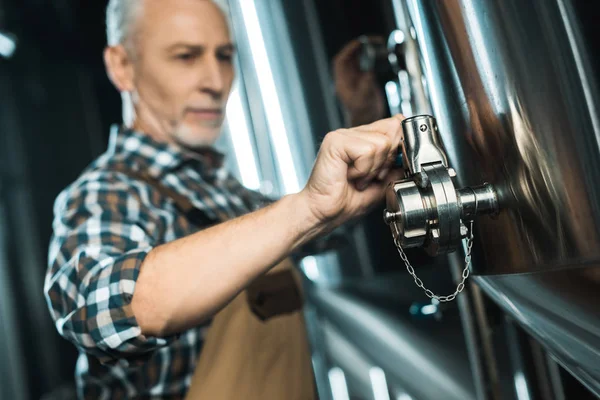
515,93
516,104
410,355
422,144
555,308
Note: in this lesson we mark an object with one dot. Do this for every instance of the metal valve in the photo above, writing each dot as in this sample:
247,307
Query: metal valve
426,209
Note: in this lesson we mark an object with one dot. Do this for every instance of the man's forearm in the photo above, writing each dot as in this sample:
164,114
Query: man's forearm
187,281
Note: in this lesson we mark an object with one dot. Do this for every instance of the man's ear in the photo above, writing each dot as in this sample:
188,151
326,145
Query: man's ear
119,67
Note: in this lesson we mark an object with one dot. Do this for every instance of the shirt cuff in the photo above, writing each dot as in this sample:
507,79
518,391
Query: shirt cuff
110,320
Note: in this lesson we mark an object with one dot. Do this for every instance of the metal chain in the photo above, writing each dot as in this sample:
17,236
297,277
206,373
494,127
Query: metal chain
419,282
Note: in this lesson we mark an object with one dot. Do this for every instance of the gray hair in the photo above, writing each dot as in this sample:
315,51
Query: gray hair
121,14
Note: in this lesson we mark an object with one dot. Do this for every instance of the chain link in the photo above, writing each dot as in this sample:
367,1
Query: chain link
419,282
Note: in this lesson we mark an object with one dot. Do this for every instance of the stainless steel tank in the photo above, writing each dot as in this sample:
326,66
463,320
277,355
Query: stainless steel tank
513,86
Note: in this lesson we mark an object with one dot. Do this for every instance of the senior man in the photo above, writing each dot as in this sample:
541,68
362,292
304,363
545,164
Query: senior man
134,278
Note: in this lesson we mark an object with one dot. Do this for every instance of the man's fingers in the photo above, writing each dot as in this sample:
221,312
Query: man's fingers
375,146
378,39
382,158
376,190
393,175
351,48
369,150
390,127
358,154
362,157
347,52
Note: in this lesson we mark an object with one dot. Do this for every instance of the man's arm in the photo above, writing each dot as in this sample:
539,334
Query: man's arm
187,281
102,234
184,282
117,294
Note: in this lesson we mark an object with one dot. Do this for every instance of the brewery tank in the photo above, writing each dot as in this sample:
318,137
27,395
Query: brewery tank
513,86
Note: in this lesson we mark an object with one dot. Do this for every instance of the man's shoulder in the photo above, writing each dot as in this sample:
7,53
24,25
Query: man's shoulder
105,177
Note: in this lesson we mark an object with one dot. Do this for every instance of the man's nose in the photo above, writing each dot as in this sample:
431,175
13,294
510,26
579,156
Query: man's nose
212,80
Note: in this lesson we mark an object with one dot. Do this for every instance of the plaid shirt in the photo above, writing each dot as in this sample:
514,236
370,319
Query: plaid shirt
106,222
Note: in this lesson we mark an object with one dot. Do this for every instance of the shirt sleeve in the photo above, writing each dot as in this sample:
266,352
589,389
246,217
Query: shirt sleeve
102,234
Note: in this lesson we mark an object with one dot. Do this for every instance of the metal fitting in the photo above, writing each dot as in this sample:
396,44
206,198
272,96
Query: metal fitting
426,210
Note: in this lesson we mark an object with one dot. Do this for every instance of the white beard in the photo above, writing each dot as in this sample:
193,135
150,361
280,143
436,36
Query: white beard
190,138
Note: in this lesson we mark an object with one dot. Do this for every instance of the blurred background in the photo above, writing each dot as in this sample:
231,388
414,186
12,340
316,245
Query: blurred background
374,334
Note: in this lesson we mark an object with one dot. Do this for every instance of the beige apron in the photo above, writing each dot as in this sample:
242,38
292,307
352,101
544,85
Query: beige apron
246,358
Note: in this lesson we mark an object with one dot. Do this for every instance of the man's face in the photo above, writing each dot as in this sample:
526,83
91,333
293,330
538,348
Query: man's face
183,70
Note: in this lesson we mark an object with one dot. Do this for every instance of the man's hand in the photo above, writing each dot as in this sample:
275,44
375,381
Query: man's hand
352,170
356,89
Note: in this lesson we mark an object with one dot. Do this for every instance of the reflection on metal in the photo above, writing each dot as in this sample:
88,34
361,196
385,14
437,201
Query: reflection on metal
397,59
392,92
379,384
420,310
8,44
365,381
270,97
515,94
403,351
405,93
521,387
518,359
238,128
395,50
556,381
310,268
339,388
11,364
426,209
477,326
559,309
391,62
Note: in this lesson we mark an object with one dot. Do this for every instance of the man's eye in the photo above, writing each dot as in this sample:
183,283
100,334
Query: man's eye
185,56
225,57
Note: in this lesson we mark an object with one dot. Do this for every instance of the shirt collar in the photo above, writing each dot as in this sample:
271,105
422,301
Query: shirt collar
159,158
